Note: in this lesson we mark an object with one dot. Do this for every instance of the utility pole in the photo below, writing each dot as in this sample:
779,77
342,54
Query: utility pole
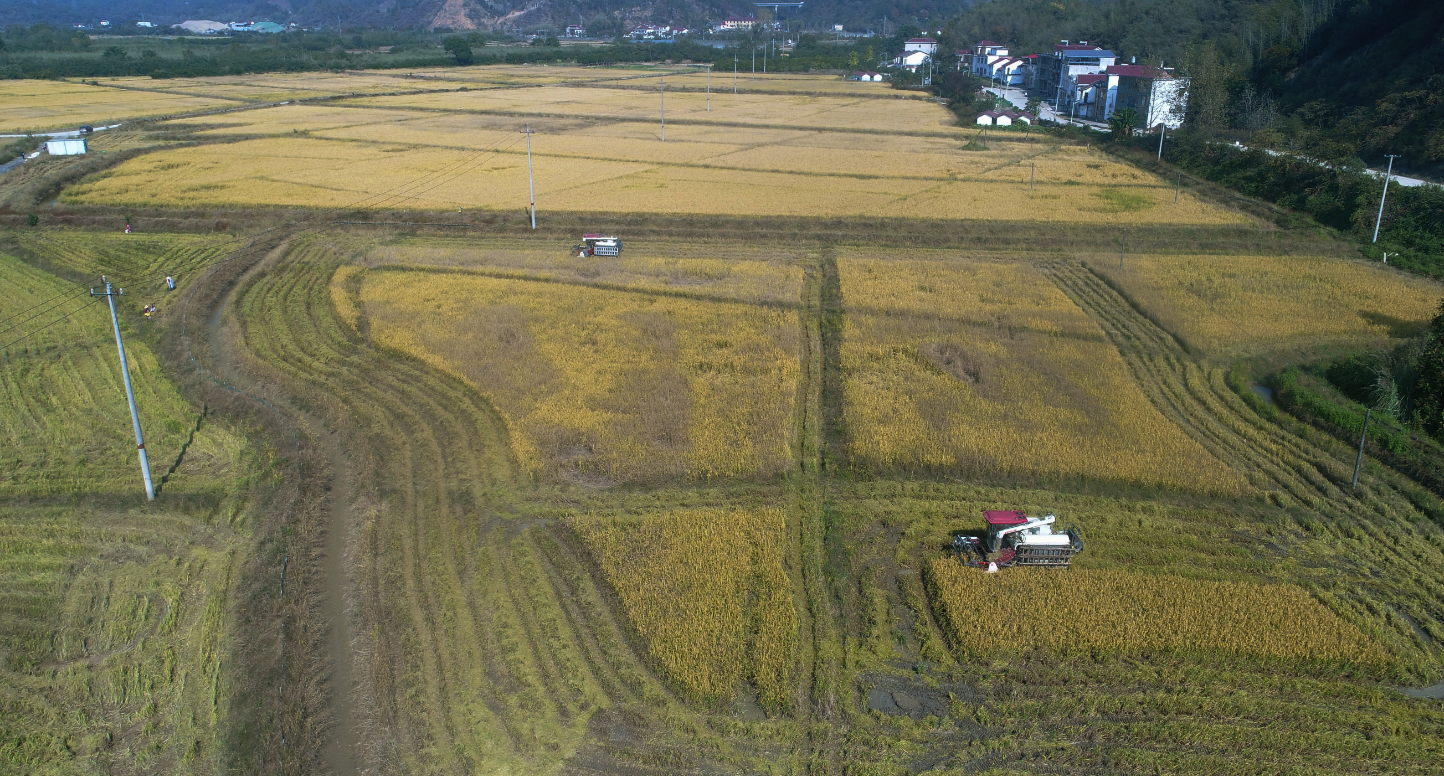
709,88
734,72
129,394
1380,219
754,61
1124,250
664,109
1360,460
1162,130
1177,187
530,181
1032,171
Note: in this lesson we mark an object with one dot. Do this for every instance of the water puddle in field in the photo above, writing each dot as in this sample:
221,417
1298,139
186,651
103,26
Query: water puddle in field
1432,692
1263,392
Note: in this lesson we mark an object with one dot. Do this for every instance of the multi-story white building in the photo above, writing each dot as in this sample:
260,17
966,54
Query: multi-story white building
1154,93
928,46
985,53
1057,75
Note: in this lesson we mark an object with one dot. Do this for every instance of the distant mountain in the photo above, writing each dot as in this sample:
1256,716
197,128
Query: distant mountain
382,14
468,14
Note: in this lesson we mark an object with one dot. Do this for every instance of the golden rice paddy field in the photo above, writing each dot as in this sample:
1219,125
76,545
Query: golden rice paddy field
1120,611
986,368
1228,303
27,106
275,87
747,81
831,112
610,385
336,156
714,606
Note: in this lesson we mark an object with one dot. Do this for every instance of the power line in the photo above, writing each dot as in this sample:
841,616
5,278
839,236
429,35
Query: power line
31,308
7,345
42,312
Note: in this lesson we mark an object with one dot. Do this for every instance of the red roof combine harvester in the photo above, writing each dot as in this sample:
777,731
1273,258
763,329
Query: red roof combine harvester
1014,539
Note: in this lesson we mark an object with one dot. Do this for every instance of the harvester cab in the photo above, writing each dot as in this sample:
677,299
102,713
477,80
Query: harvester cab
1014,539
598,245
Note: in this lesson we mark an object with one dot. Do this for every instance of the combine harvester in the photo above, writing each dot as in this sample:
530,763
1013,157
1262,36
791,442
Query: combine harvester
1014,539
598,245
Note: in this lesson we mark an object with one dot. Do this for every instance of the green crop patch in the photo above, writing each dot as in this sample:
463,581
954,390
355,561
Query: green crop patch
1116,201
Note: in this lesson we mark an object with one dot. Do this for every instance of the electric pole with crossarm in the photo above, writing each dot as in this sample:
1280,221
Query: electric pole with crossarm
110,296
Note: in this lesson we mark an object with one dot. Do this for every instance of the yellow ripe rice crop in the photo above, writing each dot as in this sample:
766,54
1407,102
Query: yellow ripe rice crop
748,82
271,87
315,171
38,105
706,592
292,119
620,385
829,112
987,368
341,296
1083,610
1247,303
805,156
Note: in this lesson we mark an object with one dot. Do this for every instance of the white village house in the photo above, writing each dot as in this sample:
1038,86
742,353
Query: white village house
1003,118
928,46
910,60
1154,93
984,55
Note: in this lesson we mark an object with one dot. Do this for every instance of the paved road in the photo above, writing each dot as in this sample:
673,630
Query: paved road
63,134
1019,98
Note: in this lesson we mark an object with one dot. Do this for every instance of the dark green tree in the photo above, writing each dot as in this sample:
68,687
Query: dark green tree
1123,122
1429,385
457,46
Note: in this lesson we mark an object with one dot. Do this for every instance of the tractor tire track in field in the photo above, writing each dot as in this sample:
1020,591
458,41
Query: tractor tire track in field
339,753
1377,529
483,641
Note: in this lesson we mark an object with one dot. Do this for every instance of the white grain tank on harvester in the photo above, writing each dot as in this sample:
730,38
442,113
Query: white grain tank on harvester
1014,539
598,245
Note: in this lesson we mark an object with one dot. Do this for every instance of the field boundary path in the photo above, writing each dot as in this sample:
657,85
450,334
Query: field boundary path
340,737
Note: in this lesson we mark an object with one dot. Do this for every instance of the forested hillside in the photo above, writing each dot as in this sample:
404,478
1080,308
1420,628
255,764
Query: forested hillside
1335,79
